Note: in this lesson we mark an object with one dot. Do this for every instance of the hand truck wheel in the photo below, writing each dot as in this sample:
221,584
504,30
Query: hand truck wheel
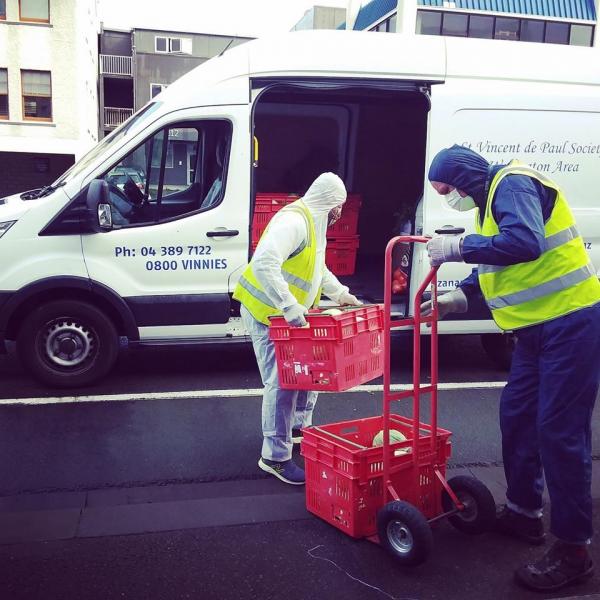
404,532
479,513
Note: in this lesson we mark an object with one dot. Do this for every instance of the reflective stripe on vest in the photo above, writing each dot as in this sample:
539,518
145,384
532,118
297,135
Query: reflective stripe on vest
561,280
297,271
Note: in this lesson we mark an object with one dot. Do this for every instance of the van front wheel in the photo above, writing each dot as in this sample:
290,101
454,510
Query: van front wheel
67,343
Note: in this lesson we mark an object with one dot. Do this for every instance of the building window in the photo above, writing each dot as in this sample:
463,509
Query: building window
532,31
156,89
170,45
429,22
557,33
481,27
581,35
392,24
37,11
161,44
37,95
3,94
506,29
455,24
2,9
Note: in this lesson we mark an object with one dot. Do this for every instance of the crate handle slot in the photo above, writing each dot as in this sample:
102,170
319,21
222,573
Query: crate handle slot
337,437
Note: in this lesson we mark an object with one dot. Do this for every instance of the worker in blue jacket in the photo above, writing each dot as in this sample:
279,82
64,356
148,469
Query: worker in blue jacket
537,280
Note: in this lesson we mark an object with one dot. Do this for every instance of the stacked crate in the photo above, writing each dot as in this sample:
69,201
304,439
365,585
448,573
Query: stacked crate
342,237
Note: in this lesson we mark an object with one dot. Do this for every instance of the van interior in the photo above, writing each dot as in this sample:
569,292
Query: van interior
373,137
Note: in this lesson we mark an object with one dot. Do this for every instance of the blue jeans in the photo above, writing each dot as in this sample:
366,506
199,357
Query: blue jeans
545,418
282,410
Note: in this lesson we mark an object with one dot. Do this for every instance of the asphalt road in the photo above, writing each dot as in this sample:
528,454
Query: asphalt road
162,498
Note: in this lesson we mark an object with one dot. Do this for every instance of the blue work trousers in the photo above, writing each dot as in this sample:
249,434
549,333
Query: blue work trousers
545,418
282,410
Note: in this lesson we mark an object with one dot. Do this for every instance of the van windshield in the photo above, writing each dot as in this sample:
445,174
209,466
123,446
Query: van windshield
117,135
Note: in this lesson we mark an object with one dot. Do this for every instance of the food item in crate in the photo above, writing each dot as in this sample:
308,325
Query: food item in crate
399,281
395,437
332,311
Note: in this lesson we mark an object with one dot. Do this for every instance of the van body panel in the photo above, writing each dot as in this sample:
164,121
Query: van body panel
348,53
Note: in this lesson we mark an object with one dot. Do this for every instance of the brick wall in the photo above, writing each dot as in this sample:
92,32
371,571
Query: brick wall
20,171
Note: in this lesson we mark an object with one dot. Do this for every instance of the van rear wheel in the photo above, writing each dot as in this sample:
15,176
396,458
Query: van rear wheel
68,343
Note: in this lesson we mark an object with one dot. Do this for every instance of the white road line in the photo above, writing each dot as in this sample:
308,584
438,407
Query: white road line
199,394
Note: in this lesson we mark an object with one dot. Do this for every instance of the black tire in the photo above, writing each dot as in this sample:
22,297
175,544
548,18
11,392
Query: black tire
67,343
404,532
479,514
499,347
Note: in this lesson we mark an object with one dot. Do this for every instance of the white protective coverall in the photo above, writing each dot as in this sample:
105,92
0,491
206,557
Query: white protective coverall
284,410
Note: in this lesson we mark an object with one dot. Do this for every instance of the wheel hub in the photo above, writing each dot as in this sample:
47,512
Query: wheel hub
68,343
400,537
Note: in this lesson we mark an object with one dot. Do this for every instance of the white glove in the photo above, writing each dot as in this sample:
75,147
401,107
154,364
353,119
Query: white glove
348,298
294,315
452,302
445,248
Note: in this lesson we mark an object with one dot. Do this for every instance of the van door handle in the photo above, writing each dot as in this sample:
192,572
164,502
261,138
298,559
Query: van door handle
223,233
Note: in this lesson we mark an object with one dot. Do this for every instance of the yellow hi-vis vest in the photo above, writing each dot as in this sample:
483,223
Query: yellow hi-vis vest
298,271
562,280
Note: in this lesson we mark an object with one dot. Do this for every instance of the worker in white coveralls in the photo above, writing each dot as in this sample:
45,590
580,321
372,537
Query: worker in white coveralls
286,276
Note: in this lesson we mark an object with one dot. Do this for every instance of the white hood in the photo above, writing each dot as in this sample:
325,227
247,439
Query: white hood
325,193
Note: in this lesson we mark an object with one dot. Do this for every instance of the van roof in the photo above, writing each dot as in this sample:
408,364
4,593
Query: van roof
364,54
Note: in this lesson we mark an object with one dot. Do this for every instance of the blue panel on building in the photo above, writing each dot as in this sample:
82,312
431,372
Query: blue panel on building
560,9
372,12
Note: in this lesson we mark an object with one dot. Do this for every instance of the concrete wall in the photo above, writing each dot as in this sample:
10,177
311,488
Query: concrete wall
67,47
321,17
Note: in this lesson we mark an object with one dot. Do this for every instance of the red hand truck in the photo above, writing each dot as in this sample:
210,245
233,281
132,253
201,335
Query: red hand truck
392,493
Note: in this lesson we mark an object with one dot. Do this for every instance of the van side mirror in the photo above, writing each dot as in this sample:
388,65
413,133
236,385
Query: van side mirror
98,206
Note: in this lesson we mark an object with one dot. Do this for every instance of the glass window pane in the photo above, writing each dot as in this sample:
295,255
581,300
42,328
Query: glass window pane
532,31
175,45
161,44
557,33
2,9
37,10
455,25
581,35
3,81
37,107
36,83
428,22
507,29
392,28
481,27
3,106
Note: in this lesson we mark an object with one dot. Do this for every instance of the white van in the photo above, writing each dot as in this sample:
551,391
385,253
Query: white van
92,260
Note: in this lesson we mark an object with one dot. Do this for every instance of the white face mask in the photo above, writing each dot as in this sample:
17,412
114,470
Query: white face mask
458,202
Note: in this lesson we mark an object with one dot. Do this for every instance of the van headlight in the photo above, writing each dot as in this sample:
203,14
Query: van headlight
5,226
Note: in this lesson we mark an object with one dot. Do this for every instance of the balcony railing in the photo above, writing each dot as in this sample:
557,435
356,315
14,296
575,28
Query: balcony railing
115,65
113,117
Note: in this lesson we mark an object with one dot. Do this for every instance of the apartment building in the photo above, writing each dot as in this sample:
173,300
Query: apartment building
48,91
136,65
569,22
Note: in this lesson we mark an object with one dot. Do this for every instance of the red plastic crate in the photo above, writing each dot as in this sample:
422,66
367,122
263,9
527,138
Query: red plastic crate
334,353
340,255
265,207
344,473
347,225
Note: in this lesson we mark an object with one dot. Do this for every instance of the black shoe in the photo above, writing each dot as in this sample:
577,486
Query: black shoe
562,565
509,522
296,436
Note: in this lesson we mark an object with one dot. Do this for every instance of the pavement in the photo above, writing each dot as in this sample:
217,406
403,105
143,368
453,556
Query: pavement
244,539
